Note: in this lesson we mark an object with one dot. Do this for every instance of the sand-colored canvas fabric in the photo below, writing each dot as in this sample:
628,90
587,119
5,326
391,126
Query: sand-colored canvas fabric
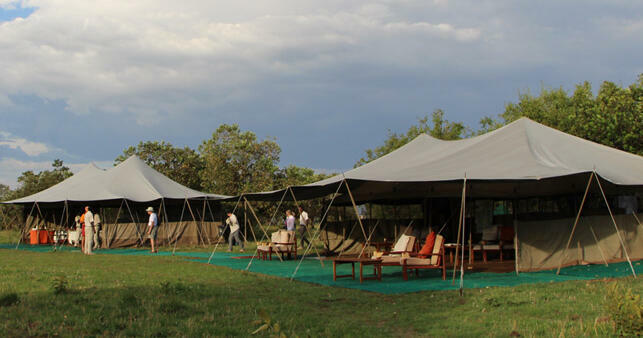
402,243
541,243
132,180
439,239
523,158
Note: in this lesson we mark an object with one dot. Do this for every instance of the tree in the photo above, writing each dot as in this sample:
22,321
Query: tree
439,127
31,183
182,165
294,175
613,117
236,162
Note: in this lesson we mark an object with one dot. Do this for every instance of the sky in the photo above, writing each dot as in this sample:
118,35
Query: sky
83,80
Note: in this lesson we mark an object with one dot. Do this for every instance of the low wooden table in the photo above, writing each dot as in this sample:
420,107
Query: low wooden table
376,263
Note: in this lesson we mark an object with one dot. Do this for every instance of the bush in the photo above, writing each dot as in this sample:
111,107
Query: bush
60,285
625,309
9,299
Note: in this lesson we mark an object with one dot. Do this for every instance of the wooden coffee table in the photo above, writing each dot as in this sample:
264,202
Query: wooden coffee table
376,263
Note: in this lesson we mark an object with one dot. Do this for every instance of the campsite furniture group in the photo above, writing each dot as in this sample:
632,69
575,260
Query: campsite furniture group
283,242
363,261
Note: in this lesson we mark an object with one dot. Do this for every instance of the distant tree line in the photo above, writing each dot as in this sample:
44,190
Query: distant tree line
233,161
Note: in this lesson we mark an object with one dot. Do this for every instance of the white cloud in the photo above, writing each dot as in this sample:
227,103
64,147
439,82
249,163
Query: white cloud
28,147
11,168
155,59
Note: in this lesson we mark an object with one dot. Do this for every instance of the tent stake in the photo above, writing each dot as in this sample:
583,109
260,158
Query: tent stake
580,209
615,226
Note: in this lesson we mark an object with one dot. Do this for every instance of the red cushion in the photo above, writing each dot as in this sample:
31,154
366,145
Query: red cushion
427,248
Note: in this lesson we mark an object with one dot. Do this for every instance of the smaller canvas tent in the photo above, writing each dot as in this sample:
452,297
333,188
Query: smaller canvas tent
188,216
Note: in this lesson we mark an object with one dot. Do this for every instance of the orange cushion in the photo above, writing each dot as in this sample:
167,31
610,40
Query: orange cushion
427,249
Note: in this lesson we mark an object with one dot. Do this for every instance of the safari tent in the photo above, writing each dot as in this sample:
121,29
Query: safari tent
541,182
120,195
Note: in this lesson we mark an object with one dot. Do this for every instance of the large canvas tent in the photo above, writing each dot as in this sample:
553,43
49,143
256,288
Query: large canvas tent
187,214
521,160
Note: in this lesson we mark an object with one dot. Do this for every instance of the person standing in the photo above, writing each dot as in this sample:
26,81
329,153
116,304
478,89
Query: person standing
303,227
233,223
152,227
96,231
89,230
290,221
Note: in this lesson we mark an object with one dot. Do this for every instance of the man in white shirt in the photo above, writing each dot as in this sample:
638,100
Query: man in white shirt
89,230
233,223
152,226
303,227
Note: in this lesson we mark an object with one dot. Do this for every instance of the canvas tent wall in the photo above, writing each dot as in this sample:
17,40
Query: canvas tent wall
523,159
130,186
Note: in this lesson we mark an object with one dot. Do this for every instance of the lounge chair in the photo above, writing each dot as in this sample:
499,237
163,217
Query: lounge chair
433,261
282,242
405,246
495,239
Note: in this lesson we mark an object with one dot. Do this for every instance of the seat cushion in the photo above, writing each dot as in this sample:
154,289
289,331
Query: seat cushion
418,261
490,233
284,237
275,237
427,248
402,243
435,259
391,259
411,244
263,247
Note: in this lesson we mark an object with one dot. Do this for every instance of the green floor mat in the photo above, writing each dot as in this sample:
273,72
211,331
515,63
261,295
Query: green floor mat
312,271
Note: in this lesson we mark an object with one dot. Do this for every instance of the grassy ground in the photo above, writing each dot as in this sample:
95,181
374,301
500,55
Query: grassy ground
66,293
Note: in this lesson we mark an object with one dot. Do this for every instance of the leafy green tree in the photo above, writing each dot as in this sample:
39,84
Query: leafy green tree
235,161
437,126
31,183
183,165
612,117
294,175
4,192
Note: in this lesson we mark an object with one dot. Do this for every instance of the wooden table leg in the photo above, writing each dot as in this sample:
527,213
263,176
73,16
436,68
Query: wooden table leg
334,271
353,265
361,272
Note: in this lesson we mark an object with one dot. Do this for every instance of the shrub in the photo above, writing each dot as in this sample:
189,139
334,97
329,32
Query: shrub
9,299
625,309
60,285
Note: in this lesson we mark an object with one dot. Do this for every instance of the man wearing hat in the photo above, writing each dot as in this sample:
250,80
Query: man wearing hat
152,226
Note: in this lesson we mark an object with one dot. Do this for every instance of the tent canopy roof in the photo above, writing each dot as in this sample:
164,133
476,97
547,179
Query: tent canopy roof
522,151
132,179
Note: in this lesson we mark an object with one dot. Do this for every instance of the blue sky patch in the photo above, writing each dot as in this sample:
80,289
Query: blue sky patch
9,14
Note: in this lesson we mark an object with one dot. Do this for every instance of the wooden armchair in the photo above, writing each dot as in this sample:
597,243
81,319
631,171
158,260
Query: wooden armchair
405,246
433,261
495,239
282,242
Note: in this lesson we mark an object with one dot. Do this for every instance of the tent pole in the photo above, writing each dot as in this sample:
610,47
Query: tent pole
464,228
615,226
580,209
591,228
245,224
167,221
135,223
22,233
224,229
460,235
199,234
369,238
514,206
203,223
159,217
252,211
321,227
114,231
178,232
212,215
248,222
62,215
307,232
350,194
349,236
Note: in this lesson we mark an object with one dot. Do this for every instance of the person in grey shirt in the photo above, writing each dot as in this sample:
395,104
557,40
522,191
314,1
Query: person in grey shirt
89,231
233,223
96,231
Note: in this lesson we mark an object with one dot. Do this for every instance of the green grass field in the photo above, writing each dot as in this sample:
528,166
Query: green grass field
68,294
